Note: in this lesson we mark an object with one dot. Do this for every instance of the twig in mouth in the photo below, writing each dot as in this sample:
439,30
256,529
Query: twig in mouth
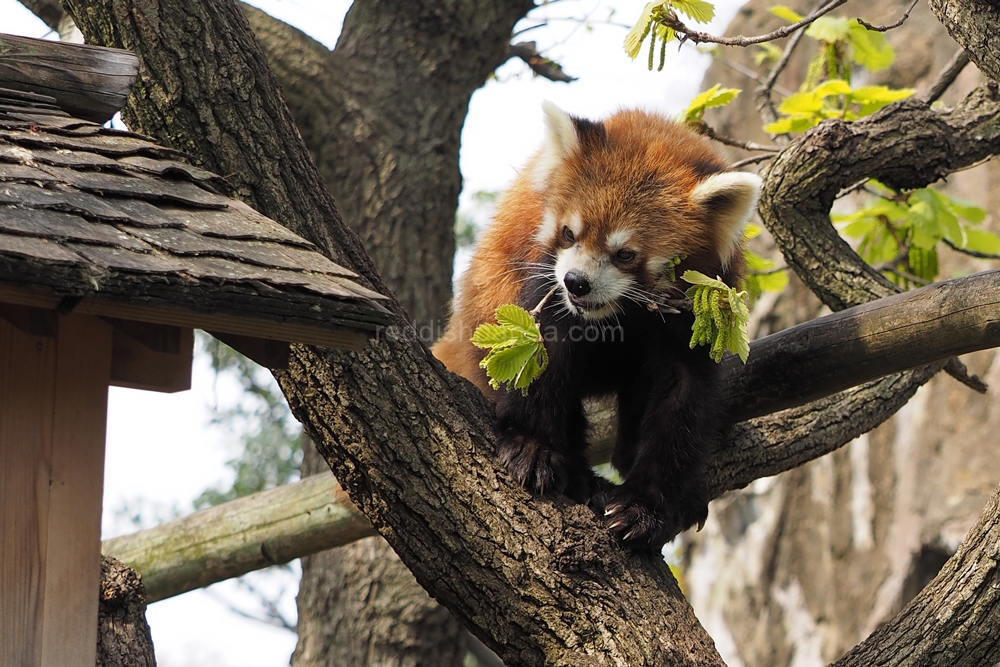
541,304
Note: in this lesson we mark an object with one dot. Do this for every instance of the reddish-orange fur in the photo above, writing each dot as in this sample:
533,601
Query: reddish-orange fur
602,189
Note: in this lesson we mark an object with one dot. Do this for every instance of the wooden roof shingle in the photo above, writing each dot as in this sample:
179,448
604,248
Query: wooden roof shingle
105,220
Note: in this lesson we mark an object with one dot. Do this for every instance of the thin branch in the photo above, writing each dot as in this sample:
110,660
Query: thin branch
765,105
749,73
751,160
769,272
707,130
539,64
885,28
956,369
970,253
947,75
687,34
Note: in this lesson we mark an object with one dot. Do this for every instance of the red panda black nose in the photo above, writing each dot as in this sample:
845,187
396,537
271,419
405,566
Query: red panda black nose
576,283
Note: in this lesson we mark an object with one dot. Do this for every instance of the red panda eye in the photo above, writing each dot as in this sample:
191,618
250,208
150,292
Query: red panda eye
568,235
625,256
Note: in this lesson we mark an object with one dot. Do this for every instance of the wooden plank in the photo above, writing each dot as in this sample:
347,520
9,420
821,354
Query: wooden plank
27,370
271,354
76,486
89,82
257,327
136,363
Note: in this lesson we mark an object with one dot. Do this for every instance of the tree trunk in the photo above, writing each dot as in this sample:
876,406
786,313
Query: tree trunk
539,579
123,638
396,180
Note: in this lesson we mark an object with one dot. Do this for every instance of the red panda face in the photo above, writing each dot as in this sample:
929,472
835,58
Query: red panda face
624,198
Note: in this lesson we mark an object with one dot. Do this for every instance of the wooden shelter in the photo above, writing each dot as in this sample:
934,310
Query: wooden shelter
112,250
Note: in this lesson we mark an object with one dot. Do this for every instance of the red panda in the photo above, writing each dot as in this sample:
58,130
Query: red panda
602,212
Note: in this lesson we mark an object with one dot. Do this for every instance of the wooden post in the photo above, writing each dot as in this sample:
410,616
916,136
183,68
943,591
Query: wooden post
53,412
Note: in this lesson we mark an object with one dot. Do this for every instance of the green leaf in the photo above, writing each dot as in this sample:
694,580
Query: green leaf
751,231
792,124
756,263
787,14
699,10
716,96
506,364
517,353
801,103
767,52
829,29
870,49
773,282
873,98
977,240
699,278
964,209
517,318
492,335
635,36
832,87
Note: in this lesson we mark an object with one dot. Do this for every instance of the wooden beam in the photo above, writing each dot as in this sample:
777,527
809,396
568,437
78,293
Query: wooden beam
76,489
255,327
153,357
271,354
243,535
27,368
53,407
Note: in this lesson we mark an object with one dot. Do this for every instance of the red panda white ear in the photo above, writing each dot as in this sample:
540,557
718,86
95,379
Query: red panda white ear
728,198
561,141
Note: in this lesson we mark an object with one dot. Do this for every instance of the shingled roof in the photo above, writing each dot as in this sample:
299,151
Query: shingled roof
96,219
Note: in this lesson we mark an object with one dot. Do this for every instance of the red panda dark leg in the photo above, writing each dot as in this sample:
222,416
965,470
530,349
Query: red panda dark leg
542,436
668,423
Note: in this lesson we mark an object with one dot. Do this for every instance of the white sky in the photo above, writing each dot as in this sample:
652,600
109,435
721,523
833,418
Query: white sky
170,436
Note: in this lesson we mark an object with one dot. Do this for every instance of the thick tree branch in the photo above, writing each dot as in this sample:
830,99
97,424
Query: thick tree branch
50,12
906,145
787,369
838,351
247,534
974,24
955,620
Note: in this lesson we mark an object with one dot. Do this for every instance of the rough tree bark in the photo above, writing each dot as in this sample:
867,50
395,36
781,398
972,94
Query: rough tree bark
801,567
539,580
381,116
123,638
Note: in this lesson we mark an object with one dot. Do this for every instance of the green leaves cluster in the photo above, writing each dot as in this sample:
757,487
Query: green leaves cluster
721,314
517,354
844,42
827,92
899,233
655,20
832,99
